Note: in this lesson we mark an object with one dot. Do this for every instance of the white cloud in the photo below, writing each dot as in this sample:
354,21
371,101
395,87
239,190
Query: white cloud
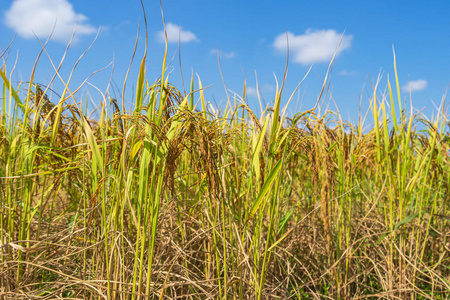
40,17
223,54
266,88
251,91
175,33
415,85
314,46
348,73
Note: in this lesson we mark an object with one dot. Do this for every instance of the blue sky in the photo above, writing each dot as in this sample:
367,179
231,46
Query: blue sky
250,36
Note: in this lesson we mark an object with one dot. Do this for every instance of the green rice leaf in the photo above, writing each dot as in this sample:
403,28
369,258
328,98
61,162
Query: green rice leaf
265,189
97,160
11,89
257,149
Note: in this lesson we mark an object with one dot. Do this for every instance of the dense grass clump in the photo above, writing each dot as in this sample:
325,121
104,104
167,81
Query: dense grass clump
172,200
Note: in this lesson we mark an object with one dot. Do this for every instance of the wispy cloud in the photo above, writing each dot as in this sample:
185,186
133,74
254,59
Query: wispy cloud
41,17
348,73
224,54
251,91
266,88
315,46
175,33
415,85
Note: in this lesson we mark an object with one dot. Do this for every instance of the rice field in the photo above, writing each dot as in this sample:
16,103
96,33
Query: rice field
175,200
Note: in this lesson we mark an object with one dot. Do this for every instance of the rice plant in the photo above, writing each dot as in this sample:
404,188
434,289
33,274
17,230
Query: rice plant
174,200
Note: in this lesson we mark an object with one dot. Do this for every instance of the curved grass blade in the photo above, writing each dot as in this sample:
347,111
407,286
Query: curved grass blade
265,189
